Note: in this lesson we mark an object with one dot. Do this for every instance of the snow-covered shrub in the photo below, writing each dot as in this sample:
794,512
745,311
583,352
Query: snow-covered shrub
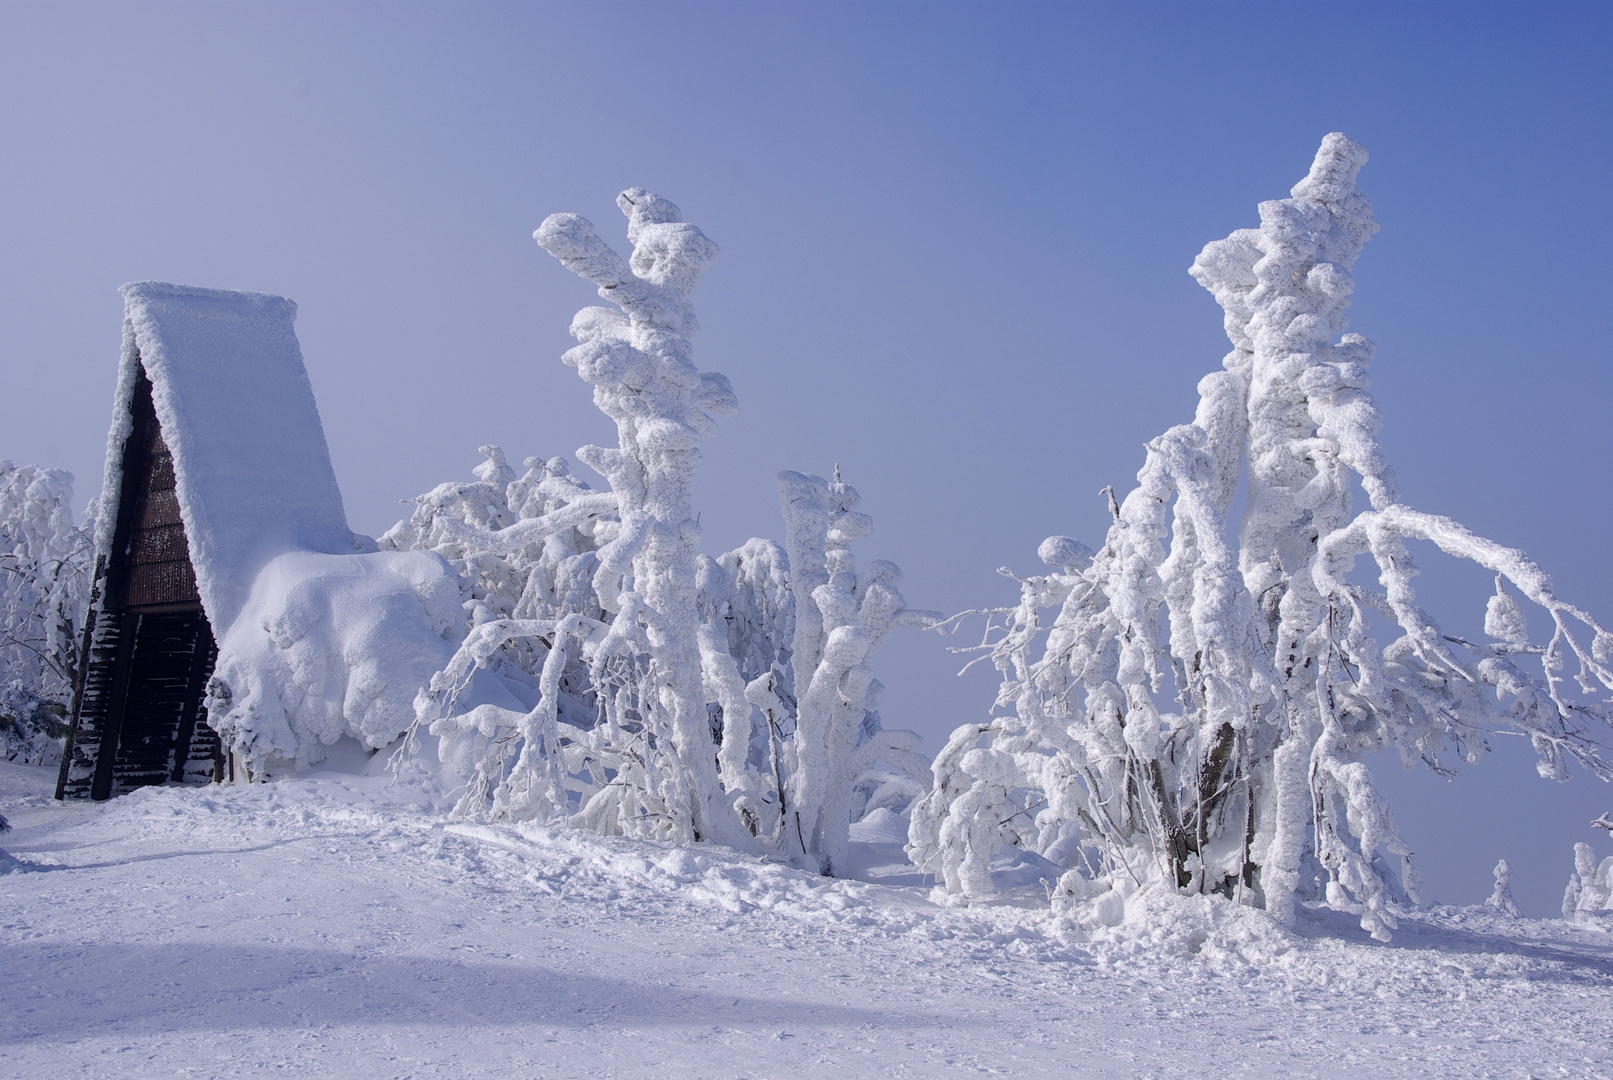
841,618
1501,899
44,591
1590,886
1198,715
667,694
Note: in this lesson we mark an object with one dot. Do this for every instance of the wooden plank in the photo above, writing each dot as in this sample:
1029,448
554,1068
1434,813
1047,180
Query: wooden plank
80,675
83,749
158,544
148,584
116,697
158,507
165,647
147,659
191,730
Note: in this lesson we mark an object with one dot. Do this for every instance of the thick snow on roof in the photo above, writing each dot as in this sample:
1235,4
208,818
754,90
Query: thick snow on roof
238,413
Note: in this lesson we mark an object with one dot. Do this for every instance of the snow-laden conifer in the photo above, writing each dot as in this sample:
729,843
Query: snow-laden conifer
842,616
1198,714
1590,886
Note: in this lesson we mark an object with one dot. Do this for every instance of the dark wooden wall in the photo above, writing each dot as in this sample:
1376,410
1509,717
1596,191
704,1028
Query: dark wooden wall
148,648
156,568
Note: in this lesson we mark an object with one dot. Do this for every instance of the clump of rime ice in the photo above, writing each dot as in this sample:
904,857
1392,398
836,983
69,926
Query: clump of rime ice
44,591
1501,899
1590,886
664,693
1198,715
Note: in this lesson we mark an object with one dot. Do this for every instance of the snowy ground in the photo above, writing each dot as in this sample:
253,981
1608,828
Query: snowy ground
323,927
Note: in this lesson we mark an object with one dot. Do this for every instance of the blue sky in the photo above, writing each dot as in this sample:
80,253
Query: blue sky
955,241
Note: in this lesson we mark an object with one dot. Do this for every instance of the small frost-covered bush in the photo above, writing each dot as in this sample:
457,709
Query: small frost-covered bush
1189,707
1590,886
665,693
44,591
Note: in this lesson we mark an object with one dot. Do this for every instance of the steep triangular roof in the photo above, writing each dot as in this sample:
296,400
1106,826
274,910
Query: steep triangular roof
253,472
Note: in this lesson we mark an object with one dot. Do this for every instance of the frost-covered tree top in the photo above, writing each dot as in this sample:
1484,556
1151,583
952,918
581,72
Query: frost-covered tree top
1203,702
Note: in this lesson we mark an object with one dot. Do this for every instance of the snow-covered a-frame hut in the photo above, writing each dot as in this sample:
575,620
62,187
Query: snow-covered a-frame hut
216,464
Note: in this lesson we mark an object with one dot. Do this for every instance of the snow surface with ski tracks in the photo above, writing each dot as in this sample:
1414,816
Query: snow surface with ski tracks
328,927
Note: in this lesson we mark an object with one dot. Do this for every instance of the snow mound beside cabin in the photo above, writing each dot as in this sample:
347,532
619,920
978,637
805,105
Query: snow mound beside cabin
333,646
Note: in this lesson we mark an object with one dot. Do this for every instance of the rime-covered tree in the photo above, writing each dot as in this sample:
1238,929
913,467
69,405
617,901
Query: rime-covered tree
842,616
1197,714
44,589
673,695
1500,899
1590,886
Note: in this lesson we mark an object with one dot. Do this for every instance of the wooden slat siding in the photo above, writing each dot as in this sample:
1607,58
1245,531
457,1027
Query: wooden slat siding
157,683
150,653
197,759
117,696
86,637
158,568
206,763
165,665
78,768
136,465
151,584
100,707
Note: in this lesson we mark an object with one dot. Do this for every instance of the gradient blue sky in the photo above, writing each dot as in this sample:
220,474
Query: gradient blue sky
955,242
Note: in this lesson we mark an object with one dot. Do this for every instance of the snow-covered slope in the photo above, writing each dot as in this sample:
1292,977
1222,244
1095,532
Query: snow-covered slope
325,927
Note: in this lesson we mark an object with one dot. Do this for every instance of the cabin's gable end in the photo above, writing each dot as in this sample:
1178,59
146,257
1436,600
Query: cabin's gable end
218,463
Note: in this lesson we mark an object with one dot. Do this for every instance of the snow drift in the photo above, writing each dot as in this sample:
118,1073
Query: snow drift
331,646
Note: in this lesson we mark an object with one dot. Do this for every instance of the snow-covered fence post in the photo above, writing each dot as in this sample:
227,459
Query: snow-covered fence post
638,360
1201,710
